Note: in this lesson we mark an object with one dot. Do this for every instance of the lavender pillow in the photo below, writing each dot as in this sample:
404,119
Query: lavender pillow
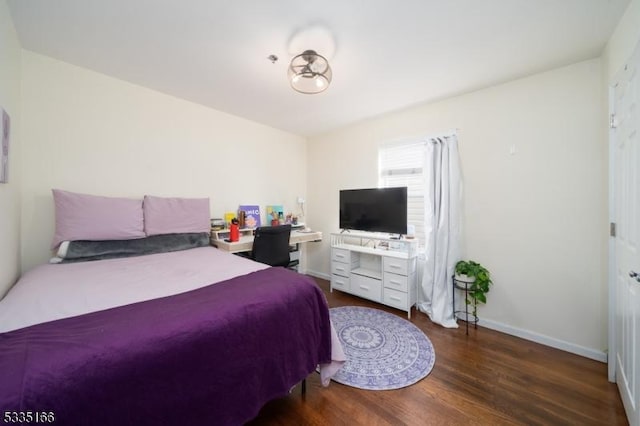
94,218
175,215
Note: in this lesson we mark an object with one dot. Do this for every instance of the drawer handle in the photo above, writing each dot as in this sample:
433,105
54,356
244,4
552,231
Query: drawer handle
395,282
395,266
364,287
397,299
340,255
339,269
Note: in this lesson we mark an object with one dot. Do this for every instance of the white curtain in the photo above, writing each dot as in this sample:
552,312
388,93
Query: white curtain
443,204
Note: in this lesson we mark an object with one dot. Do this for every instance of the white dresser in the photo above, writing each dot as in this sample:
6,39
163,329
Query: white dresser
375,267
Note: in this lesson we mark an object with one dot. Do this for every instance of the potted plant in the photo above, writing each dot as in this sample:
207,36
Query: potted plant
476,278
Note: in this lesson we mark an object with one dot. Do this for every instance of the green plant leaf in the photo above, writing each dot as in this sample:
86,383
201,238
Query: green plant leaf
480,287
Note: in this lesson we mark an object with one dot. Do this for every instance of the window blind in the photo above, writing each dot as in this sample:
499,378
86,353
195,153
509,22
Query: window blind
401,164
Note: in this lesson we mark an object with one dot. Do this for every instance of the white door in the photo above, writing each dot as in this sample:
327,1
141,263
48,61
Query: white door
626,193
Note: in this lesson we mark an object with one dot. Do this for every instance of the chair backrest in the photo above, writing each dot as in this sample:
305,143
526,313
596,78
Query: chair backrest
271,245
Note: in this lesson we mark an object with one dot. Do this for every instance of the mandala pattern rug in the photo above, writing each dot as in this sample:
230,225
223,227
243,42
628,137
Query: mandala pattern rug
383,350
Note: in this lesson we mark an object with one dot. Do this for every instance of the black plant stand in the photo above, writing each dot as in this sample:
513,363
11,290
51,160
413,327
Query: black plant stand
464,315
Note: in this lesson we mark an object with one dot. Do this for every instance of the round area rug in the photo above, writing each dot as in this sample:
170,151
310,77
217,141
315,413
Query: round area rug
383,350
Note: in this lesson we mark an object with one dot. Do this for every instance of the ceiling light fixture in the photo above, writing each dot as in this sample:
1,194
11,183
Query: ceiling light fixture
309,73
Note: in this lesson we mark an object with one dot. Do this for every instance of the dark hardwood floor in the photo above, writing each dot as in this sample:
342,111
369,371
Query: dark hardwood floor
486,378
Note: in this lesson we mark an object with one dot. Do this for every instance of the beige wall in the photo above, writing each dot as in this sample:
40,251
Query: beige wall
90,133
10,192
537,219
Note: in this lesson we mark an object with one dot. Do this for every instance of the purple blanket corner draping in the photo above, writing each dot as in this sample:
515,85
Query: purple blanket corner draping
213,355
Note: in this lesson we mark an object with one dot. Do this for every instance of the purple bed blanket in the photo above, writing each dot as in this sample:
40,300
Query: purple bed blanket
210,356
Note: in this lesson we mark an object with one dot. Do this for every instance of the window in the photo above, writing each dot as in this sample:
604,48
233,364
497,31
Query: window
402,164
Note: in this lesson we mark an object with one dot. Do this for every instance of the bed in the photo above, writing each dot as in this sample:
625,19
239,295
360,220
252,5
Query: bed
195,336
140,340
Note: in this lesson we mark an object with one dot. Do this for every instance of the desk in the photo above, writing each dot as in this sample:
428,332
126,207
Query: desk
246,243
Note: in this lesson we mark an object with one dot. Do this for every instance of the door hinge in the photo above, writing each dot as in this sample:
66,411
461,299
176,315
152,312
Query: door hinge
612,121
612,229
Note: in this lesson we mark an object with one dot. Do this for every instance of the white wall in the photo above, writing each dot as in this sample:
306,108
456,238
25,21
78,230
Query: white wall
537,219
10,192
623,40
86,132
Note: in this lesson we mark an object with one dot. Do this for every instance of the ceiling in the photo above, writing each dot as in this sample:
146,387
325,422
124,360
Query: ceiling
385,55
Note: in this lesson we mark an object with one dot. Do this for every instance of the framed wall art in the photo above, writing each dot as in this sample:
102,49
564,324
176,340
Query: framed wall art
5,131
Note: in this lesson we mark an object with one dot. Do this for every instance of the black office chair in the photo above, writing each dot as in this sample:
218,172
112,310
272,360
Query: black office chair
271,245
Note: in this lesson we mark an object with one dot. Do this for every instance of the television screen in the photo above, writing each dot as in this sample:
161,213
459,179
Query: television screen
374,210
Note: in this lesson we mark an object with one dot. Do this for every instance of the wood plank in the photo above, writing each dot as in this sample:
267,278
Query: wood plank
486,377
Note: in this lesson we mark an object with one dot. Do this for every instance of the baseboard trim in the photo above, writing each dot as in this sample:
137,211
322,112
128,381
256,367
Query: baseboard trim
545,340
523,334
319,275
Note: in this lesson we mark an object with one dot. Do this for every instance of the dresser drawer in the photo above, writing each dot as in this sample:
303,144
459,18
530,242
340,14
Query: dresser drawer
395,281
340,255
342,269
369,288
397,299
398,266
340,283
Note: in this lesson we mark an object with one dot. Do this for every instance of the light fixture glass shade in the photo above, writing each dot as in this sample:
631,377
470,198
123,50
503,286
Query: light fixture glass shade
309,72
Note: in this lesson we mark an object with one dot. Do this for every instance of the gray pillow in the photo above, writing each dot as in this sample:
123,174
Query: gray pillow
81,251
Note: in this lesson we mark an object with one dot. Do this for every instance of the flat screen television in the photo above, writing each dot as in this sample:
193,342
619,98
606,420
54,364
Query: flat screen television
374,210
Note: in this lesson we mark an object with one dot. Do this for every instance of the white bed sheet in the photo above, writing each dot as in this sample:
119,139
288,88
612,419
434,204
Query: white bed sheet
47,293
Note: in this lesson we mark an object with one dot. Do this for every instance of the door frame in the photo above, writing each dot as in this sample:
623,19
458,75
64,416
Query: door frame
611,353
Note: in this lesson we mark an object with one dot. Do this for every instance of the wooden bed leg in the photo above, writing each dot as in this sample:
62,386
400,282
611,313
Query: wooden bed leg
304,387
